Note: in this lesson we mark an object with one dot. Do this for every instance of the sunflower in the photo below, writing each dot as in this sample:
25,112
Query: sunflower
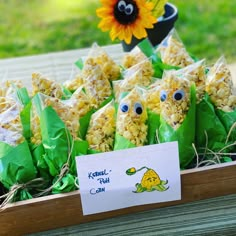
126,18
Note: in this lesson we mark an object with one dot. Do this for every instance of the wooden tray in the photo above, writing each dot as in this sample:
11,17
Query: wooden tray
62,210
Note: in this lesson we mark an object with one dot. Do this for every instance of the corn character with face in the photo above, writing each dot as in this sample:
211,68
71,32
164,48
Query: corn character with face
132,118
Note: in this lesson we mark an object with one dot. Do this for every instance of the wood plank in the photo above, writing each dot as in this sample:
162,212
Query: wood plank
62,210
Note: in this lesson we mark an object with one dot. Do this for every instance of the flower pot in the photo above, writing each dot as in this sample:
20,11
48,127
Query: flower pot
160,30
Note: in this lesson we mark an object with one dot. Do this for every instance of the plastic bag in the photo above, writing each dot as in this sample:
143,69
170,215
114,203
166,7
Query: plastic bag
15,158
177,117
220,90
101,131
131,124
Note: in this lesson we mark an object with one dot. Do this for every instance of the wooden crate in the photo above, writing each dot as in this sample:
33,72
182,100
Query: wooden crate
62,210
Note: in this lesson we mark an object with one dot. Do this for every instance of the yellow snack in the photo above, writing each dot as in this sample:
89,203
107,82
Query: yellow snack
75,83
175,99
195,73
101,131
42,84
219,86
36,137
96,85
132,117
6,103
6,87
11,129
68,114
173,51
110,69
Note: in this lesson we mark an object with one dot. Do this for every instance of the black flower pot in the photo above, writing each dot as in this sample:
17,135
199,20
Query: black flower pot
160,30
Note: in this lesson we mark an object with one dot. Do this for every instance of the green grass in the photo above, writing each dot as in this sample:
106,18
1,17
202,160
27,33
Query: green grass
40,26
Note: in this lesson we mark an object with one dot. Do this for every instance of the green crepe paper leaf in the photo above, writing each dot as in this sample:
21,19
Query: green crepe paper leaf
56,139
228,119
185,134
21,195
16,165
122,143
153,125
66,93
92,151
67,184
38,154
227,159
79,63
23,96
25,120
84,123
207,120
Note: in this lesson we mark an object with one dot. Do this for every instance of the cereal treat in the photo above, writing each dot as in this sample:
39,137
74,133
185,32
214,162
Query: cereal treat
11,128
80,102
7,88
6,103
68,114
138,75
152,97
173,51
175,99
132,118
107,64
132,58
42,84
96,85
36,137
219,86
101,130
195,73
75,83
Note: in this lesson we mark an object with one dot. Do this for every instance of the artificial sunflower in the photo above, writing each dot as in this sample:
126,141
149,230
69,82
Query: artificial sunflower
126,18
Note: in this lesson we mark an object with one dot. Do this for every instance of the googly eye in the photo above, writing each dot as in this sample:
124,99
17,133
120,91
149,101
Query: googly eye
138,108
178,95
121,6
124,107
163,95
129,9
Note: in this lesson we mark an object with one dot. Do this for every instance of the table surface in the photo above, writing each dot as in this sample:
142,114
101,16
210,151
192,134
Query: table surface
209,217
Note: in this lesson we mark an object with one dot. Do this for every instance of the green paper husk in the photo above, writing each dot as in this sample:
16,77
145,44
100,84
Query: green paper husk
185,134
153,125
228,119
207,121
122,143
16,167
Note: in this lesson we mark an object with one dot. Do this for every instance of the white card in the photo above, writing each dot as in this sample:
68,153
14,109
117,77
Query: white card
130,177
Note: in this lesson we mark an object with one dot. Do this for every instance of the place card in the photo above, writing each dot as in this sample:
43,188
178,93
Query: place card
130,177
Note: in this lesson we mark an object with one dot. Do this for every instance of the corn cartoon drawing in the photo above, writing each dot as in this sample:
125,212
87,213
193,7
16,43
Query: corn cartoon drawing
150,181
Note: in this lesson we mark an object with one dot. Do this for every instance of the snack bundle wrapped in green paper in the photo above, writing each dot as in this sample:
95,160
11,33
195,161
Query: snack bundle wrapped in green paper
177,117
131,124
16,162
220,90
101,131
59,124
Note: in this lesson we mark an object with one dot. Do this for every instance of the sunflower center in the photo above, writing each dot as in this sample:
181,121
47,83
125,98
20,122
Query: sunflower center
126,11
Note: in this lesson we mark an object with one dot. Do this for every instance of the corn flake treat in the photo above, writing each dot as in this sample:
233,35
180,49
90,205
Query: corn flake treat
107,64
75,83
101,131
219,86
138,75
174,52
6,87
132,58
152,97
46,86
175,99
96,85
195,73
68,114
11,128
6,103
132,118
